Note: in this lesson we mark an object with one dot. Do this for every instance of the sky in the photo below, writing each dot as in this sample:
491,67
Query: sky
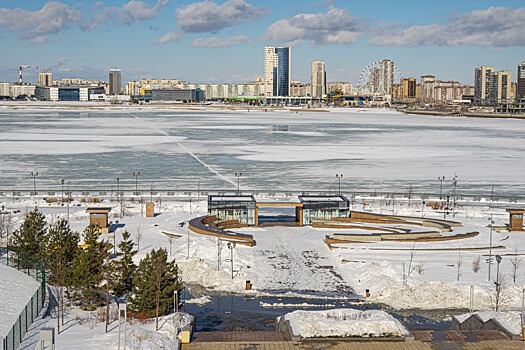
217,41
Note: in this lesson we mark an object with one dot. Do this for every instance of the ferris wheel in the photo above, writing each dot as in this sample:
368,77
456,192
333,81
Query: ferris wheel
377,81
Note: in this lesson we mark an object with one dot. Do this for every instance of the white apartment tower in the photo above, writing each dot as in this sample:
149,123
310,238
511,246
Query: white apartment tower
45,79
277,70
482,84
318,79
500,87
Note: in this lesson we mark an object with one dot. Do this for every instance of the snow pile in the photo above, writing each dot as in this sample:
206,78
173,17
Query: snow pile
427,295
199,301
166,338
196,271
344,323
269,305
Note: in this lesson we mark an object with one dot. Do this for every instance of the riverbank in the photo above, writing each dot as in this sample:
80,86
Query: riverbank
466,114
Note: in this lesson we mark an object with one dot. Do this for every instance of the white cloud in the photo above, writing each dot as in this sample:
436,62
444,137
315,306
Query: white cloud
128,13
214,41
207,16
495,26
36,26
337,26
171,36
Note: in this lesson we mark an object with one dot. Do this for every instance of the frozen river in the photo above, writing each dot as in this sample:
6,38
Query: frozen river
176,149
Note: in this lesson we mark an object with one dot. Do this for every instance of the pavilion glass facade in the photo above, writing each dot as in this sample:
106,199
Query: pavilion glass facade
241,208
324,208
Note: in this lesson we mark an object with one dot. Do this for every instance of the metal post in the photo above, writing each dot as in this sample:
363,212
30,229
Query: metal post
498,260
34,175
471,298
188,232
231,245
122,307
441,179
136,174
491,222
454,182
339,177
68,197
523,300
238,175
62,182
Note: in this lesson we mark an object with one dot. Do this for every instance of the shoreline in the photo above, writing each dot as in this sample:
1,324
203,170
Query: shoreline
466,114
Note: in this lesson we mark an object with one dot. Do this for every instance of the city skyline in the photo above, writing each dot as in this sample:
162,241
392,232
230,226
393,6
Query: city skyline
223,41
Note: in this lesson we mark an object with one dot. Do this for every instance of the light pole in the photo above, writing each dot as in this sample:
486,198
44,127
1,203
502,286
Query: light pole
118,187
231,245
491,222
497,282
34,175
238,175
62,182
441,179
445,209
454,183
136,174
339,177
114,239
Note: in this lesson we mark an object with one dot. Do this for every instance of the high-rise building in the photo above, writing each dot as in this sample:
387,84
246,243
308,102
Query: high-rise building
482,84
500,87
45,79
520,93
318,79
277,70
115,76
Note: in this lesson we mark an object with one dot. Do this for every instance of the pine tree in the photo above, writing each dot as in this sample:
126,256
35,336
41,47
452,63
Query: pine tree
88,269
30,237
124,266
61,250
155,282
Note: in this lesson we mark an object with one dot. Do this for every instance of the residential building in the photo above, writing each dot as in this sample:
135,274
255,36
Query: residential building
277,70
500,87
407,90
520,93
382,78
5,89
115,77
21,89
318,79
428,83
299,89
45,79
482,84
345,87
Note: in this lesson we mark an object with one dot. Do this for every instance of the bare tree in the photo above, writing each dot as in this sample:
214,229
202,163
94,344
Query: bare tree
476,264
411,260
497,298
409,194
138,238
515,261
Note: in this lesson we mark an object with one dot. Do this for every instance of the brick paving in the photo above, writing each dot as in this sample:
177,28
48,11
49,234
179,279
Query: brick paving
425,340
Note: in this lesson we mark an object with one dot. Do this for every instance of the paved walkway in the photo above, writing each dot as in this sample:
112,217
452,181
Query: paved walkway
425,340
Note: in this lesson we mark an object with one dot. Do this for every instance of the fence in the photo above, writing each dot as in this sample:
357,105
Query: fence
27,264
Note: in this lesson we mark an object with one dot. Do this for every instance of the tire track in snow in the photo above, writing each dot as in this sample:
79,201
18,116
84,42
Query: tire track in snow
193,155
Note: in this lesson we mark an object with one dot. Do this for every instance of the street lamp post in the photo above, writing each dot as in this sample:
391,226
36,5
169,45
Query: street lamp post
238,175
491,222
118,187
62,183
454,183
114,239
441,179
339,177
34,175
445,210
231,245
136,174
498,281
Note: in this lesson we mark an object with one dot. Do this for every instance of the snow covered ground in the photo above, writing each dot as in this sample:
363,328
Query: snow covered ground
374,150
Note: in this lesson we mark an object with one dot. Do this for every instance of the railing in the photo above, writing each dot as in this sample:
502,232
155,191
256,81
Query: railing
193,194
27,264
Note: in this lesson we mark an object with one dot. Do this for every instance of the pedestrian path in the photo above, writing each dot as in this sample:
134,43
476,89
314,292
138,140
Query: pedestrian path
424,340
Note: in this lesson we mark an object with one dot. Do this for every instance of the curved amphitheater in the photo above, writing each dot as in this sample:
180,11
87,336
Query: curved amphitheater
368,228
